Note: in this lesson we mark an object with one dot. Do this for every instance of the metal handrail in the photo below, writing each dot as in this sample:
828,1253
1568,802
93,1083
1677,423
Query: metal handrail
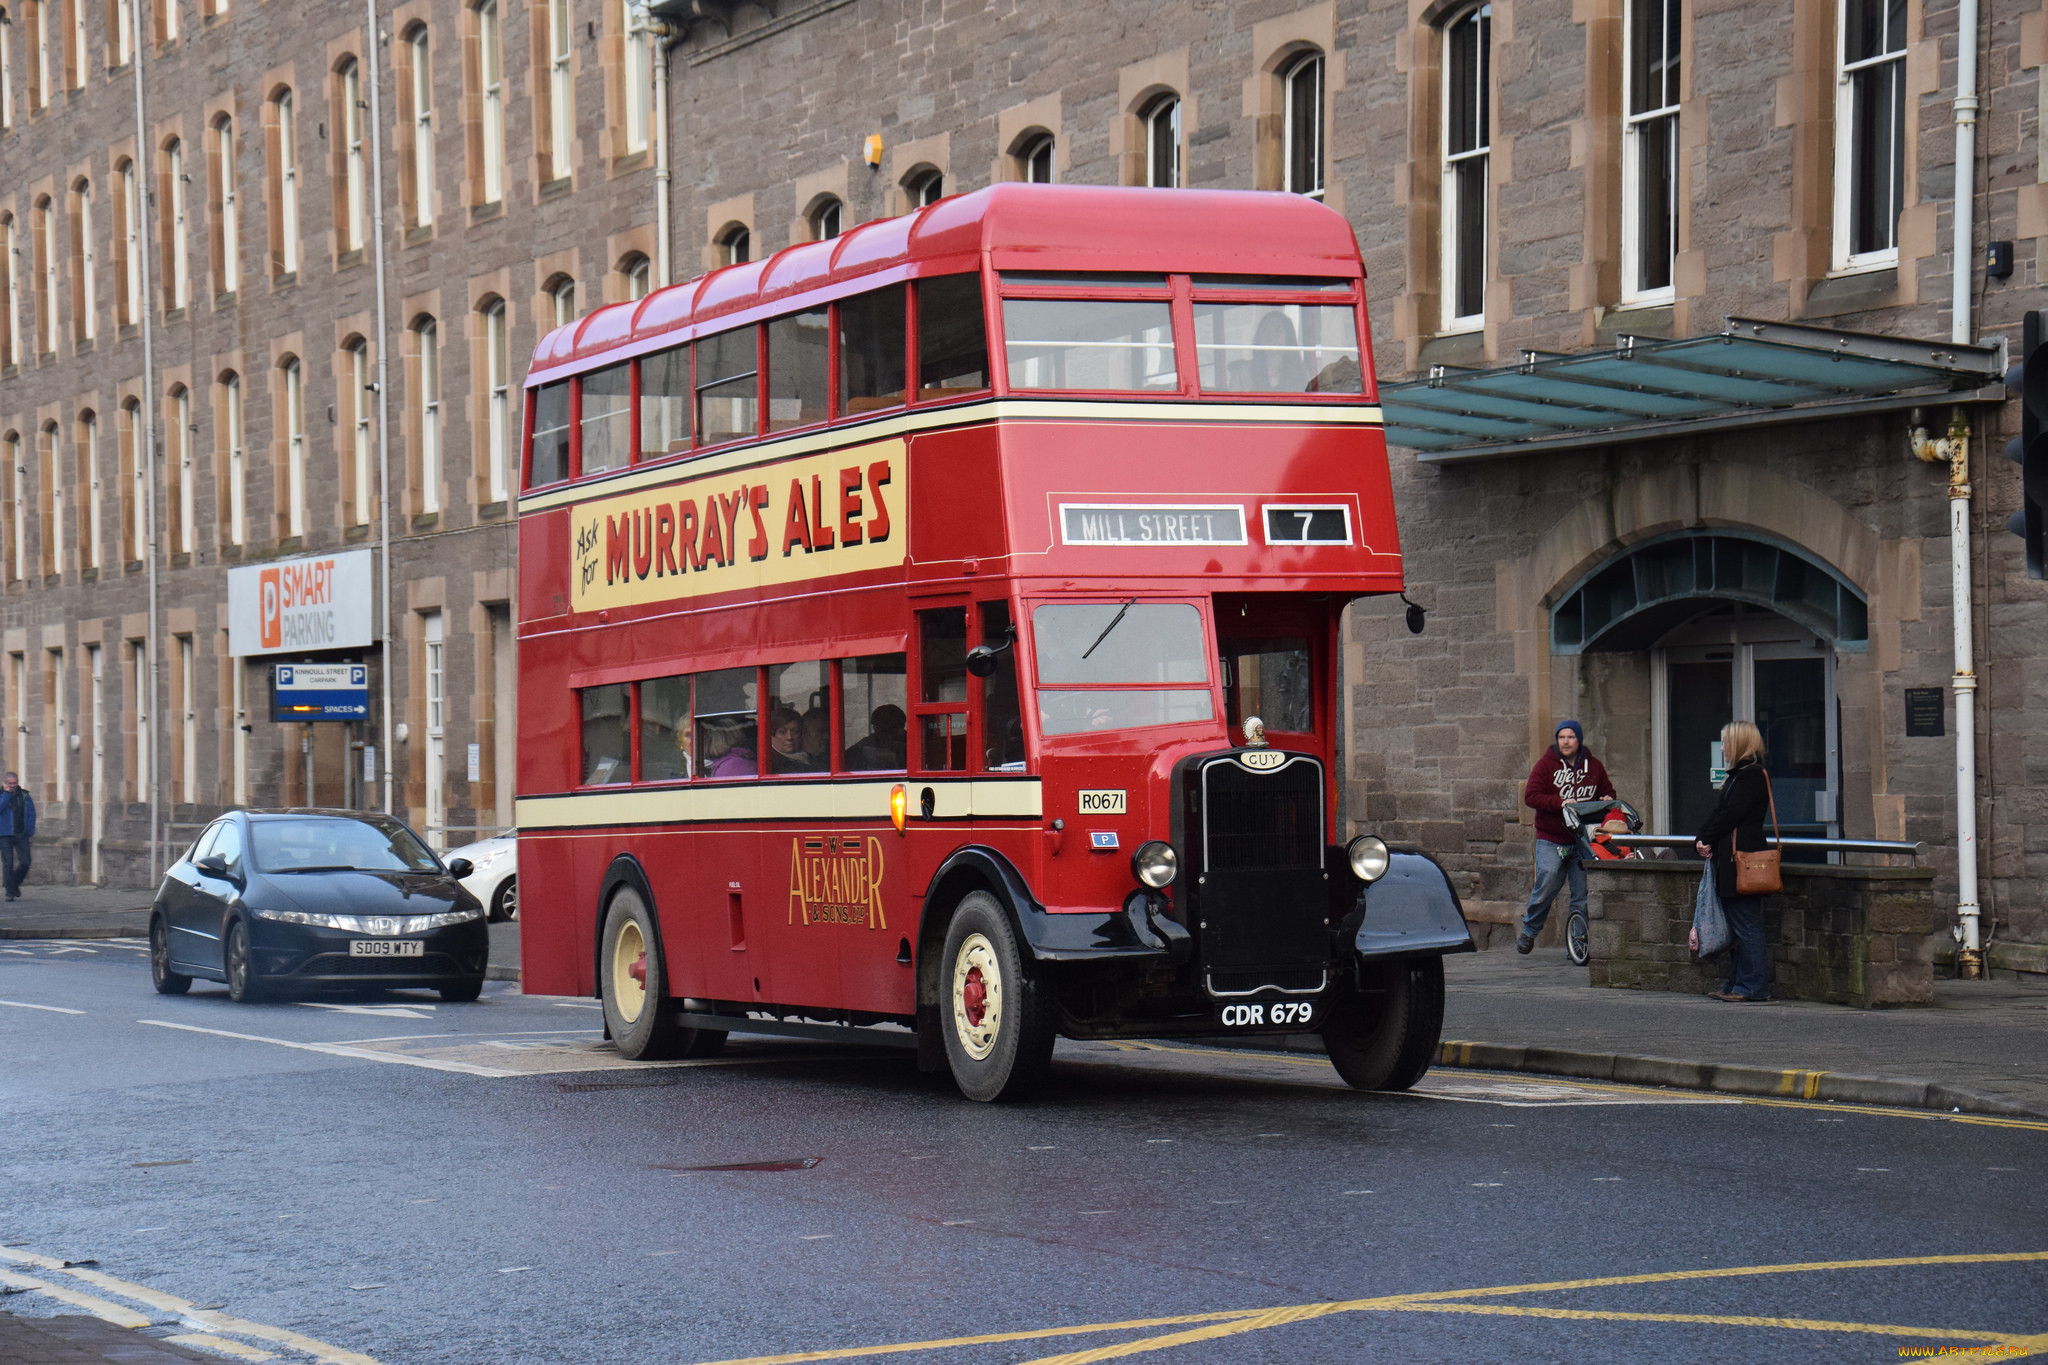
1885,846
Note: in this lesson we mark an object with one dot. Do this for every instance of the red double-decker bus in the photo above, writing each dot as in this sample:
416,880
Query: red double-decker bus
930,635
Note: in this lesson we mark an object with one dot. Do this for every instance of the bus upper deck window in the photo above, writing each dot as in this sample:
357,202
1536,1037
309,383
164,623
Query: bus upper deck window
728,385
665,730
550,434
665,402
1277,348
607,419
1121,344
952,337
607,751
872,714
871,354
799,348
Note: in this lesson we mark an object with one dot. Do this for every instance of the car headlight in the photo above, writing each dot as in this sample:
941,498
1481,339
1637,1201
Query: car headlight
1369,858
383,925
1155,864
487,861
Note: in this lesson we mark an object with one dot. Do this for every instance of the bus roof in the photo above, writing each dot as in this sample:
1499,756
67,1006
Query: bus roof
1080,228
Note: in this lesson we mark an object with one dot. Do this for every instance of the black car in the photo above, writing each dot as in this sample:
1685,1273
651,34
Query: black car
268,901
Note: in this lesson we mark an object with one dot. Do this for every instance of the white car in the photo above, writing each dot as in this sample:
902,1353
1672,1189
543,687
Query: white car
494,874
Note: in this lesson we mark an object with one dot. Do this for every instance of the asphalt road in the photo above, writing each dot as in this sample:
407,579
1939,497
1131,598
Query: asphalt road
399,1180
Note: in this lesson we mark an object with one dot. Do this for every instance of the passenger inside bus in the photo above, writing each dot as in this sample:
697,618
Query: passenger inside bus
886,745
786,742
727,746
818,735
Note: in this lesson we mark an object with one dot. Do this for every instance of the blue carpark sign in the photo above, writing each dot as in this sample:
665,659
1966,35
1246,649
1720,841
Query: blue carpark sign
307,692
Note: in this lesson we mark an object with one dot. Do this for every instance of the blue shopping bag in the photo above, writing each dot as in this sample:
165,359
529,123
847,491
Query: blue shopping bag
1709,924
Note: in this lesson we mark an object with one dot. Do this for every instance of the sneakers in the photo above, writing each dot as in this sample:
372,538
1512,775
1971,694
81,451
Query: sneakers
1525,943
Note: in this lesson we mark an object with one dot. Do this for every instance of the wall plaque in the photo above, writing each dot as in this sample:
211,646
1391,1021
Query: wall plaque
1923,713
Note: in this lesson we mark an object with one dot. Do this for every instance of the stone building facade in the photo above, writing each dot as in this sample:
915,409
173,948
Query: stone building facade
518,189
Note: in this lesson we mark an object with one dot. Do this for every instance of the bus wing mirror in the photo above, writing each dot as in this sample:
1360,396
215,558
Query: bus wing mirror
981,661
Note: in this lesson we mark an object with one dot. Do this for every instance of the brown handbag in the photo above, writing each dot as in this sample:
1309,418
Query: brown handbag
1756,874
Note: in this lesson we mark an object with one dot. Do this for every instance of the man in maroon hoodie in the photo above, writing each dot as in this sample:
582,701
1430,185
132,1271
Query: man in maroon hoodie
1566,772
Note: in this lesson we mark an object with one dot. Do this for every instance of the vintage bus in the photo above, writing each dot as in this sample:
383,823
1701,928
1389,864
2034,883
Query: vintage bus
930,636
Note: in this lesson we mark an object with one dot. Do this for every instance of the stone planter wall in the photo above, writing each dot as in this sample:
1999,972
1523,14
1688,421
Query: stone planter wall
1859,936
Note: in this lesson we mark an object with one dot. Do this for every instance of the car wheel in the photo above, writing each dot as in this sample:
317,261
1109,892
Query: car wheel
635,984
1385,1037
505,905
997,1023
463,990
166,981
245,983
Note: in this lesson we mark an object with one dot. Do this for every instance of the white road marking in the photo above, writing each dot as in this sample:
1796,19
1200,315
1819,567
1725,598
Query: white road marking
18,952
24,1005
342,1050
57,952
376,1011
513,1269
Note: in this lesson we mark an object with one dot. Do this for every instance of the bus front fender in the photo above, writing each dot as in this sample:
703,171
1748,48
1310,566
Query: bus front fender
1087,936
1411,911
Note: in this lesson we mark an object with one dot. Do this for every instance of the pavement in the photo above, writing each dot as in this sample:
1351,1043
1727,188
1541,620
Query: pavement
75,1339
1982,1047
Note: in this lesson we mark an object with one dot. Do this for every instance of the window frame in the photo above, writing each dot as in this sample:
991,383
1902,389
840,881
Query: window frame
354,202
1453,208
177,259
1848,131
225,206
1637,127
1164,105
490,30
420,52
1297,67
293,427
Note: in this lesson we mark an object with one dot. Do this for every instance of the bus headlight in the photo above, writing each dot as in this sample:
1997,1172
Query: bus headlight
1155,864
1369,858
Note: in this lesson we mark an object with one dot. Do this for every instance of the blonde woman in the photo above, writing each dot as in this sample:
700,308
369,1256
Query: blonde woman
1738,823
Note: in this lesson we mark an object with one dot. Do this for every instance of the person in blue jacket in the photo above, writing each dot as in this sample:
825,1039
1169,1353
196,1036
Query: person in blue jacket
17,827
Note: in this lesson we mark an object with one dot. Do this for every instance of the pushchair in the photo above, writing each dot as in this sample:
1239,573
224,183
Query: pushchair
1600,829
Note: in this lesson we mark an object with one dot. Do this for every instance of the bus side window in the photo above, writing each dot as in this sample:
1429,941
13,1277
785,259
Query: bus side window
799,718
1002,713
942,689
665,402
607,419
665,730
550,434
1270,679
607,750
728,385
871,351
799,362
952,337
727,728
872,697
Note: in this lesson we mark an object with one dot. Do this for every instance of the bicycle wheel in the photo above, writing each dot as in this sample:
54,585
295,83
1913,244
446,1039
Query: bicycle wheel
1575,939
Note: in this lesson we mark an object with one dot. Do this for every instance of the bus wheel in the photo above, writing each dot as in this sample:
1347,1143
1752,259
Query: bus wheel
1386,1039
997,1024
635,985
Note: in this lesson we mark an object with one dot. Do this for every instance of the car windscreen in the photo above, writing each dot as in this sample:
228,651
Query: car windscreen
317,843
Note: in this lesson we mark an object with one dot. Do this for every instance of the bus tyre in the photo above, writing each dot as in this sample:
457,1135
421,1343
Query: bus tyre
634,980
1386,1037
996,1021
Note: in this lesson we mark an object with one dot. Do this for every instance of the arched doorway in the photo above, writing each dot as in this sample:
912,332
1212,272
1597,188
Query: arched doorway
1733,624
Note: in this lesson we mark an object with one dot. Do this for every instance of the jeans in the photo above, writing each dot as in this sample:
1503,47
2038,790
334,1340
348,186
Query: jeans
14,854
1749,958
1555,865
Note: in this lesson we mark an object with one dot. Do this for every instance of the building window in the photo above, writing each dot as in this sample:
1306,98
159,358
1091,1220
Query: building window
124,32
10,315
359,433
735,245
427,412
36,13
89,456
128,228
227,233
638,76
166,21
562,294
188,723
177,276
1034,159
491,84
561,91
825,219
138,657
294,447
635,275
84,283
51,502
17,515
232,430
1161,123
1468,46
45,267
1302,89
353,200
1870,133
128,438
75,47
185,479
923,188
1649,138
497,403
422,91
6,71
284,247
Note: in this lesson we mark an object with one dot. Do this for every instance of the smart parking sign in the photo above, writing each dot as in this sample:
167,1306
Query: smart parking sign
307,692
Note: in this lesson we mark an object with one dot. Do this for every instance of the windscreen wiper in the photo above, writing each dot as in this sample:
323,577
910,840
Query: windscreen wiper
1110,627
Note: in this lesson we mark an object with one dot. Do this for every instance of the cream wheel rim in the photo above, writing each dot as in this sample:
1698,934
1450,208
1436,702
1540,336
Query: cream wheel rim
977,997
628,951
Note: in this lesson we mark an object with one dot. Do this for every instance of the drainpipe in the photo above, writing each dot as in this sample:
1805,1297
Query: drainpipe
1970,953
383,390
664,38
146,310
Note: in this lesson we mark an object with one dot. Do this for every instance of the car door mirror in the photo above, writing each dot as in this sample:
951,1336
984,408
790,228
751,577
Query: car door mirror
213,865
459,868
